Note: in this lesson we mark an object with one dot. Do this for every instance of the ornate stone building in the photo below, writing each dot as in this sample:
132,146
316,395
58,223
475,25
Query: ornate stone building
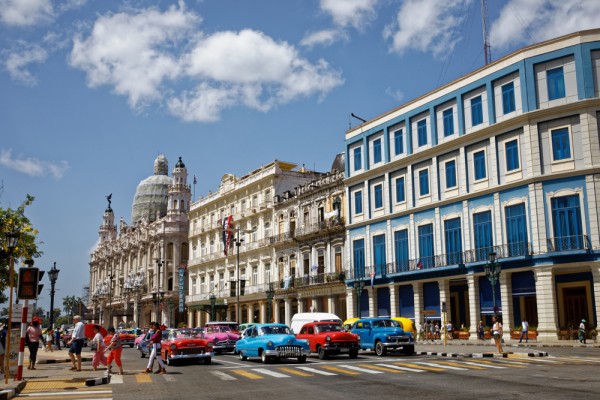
135,272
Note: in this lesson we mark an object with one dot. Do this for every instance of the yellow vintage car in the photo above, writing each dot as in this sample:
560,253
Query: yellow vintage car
407,324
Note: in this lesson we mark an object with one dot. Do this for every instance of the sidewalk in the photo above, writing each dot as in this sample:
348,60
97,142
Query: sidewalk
50,378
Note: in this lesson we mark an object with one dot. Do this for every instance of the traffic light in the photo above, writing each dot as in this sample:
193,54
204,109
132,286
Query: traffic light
29,286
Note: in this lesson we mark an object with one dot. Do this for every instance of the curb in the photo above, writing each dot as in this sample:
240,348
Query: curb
98,381
63,360
10,393
480,355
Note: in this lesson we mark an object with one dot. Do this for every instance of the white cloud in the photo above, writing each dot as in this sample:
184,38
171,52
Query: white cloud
531,21
396,94
427,26
16,63
33,166
148,55
325,37
350,13
25,12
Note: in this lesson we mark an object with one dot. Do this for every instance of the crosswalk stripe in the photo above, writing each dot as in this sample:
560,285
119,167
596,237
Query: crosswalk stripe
512,364
539,360
343,371
246,374
116,379
381,367
74,396
402,368
143,378
223,376
77,393
359,369
580,360
270,373
484,366
461,365
295,372
316,371
441,366
409,365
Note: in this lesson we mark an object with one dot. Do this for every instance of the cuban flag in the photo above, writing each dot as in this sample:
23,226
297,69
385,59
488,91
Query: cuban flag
227,224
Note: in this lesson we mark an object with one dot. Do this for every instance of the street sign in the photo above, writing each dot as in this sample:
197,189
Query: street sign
429,312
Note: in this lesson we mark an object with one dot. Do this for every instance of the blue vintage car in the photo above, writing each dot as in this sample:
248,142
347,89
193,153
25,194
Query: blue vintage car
383,334
271,342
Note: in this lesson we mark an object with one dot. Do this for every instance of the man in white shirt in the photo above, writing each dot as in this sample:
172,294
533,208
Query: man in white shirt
582,331
76,343
524,331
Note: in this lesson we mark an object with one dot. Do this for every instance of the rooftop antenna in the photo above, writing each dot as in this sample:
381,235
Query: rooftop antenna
486,37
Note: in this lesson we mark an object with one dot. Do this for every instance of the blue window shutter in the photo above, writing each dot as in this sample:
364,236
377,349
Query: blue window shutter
555,79
476,111
508,98
451,174
377,151
400,190
479,165
516,230
453,241
401,250
483,236
357,158
512,155
398,142
422,132
567,225
358,202
426,252
561,147
448,117
359,257
378,189
424,182
379,254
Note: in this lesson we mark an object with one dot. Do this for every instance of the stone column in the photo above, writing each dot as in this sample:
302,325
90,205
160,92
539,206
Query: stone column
288,310
250,314
300,304
506,301
276,311
546,304
350,305
596,299
418,295
394,310
331,304
474,304
372,301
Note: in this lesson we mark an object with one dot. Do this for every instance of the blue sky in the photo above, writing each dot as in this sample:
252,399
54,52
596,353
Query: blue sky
92,91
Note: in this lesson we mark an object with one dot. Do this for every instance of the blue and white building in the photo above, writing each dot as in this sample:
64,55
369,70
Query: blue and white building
505,159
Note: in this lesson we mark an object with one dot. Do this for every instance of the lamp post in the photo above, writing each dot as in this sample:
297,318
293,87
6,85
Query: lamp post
270,294
53,276
11,238
358,285
170,312
213,301
492,272
110,279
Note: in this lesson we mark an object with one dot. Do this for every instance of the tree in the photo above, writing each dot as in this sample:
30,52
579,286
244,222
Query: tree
16,221
69,305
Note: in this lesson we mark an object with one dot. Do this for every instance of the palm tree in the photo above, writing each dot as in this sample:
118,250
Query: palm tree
69,303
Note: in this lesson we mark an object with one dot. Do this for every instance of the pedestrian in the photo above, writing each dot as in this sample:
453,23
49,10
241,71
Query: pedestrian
49,340
497,332
437,330
524,331
480,330
2,344
422,332
582,331
449,329
33,338
115,347
76,343
155,352
98,342
57,334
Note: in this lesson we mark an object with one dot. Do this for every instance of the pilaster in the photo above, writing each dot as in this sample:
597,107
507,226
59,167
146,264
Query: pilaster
474,304
546,304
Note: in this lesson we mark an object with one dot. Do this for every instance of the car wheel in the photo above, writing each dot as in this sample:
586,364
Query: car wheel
353,353
207,361
264,358
322,353
242,356
218,352
131,346
302,359
380,349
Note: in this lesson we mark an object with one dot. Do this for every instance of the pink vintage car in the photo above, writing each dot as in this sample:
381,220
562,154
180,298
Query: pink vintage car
222,338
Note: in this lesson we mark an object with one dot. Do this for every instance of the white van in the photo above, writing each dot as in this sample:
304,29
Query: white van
298,320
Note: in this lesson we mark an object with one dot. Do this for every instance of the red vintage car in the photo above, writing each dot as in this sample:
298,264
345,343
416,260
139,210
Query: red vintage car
127,337
185,344
328,338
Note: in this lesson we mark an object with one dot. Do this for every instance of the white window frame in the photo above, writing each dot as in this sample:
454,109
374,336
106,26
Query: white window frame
570,131
418,171
487,167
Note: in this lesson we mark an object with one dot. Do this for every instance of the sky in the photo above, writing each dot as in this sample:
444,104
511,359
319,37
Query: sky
92,91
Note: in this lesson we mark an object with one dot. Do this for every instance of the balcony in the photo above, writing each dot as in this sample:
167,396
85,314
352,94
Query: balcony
310,280
282,238
317,227
568,243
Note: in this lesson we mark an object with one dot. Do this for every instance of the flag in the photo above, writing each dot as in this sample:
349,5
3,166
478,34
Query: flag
195,181
372,274
227,225
419,264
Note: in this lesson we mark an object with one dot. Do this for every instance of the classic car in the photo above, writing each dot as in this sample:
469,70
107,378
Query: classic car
181,344
328,338
138,340
144,346
127,338
234,326
271,342
221,337
383,334
67,336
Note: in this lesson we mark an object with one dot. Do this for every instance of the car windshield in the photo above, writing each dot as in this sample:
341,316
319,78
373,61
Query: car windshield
217,329
385,323
182,333
274,330
328,328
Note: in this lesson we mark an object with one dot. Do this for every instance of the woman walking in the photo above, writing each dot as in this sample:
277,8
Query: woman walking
497,332
115,347
49,340
155,343
34,336
99,356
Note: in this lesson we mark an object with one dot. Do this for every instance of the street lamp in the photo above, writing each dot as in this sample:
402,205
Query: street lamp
492,272
213,301
53,276
270,294
358,285
11,238
110,279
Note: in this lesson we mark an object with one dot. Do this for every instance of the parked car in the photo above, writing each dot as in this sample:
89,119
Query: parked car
144,346
328,338
383,334
138,340
271,342
67,336
234,326
185,344
299,319
127,338
221,337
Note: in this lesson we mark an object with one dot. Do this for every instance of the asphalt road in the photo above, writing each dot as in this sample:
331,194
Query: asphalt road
565,374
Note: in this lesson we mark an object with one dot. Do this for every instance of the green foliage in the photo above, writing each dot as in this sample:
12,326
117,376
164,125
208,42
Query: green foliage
27,248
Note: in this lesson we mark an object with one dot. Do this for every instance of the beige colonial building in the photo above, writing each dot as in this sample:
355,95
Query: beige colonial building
135,271
214,275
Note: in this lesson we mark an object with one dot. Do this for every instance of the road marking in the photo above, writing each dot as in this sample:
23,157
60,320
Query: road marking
223,376
402,368
246,374
368,371
231,362
540,360
270,373
64,395
143,378
343,371
381,367
441,366
512,364
419,367
116,379
484,365
461,365
316,371
295,372
169,378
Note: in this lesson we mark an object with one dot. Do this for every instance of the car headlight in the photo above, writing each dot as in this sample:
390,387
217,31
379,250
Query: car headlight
388,338
173,346
328,338
358,338
270,345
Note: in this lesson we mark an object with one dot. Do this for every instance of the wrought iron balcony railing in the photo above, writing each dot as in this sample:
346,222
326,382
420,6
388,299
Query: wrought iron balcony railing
568,243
